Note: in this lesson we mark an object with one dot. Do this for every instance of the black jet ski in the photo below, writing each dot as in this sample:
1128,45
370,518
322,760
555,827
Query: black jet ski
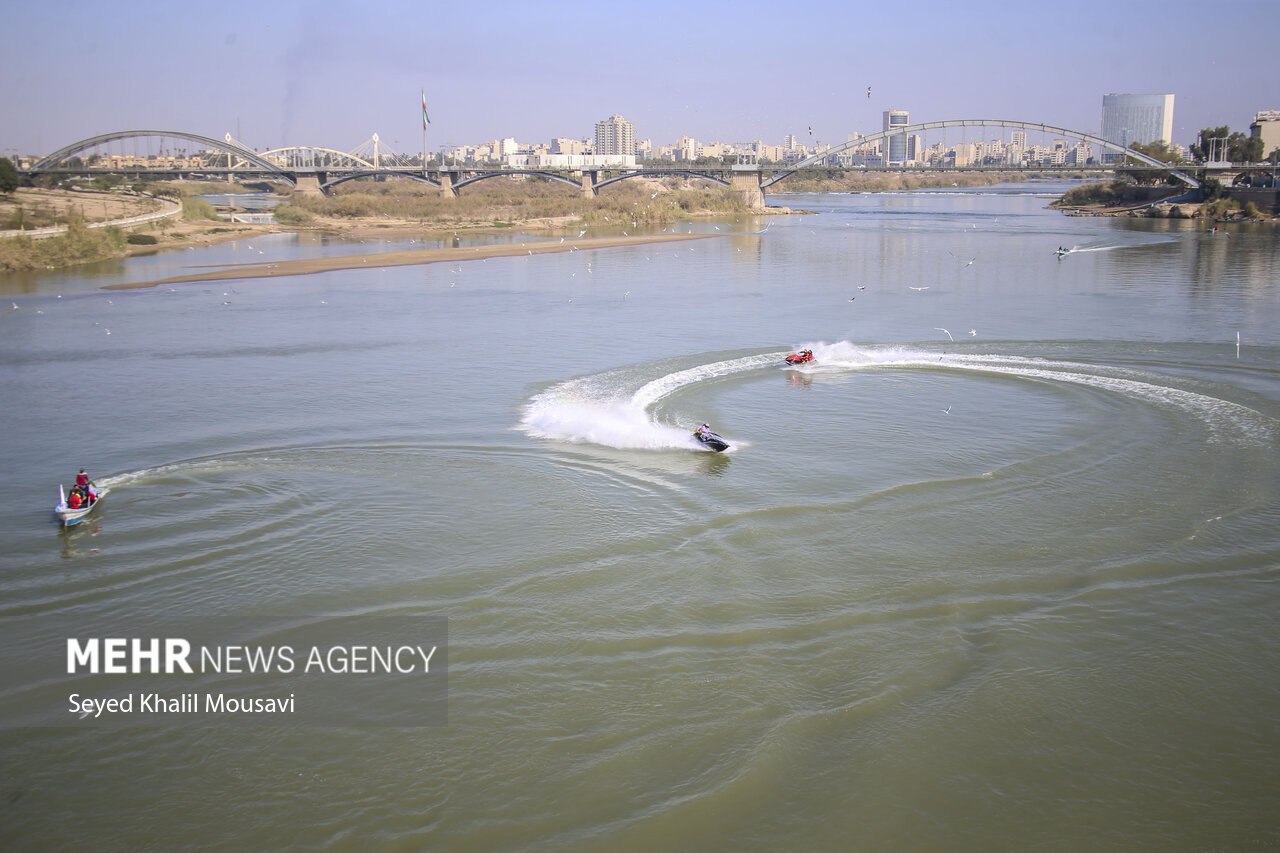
711,440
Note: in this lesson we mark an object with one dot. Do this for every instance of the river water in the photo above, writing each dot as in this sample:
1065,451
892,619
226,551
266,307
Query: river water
1011,585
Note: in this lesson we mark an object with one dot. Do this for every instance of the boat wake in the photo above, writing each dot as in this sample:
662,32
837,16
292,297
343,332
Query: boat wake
619,409
610,410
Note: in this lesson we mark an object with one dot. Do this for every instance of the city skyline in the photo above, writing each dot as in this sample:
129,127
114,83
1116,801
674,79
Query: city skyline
313,74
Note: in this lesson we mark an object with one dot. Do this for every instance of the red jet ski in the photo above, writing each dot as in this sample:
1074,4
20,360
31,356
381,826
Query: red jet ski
803,357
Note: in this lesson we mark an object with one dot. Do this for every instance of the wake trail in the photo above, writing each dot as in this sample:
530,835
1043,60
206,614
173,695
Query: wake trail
615,408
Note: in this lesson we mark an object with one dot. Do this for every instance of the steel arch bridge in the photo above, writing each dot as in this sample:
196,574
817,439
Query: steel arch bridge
818,159
226,146
379,173
641,172
308,158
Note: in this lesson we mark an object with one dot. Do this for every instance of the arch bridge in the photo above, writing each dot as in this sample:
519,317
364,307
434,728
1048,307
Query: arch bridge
319,169
1009,124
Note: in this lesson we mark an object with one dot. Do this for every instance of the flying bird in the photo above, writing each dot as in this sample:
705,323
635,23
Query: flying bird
868,93
909,287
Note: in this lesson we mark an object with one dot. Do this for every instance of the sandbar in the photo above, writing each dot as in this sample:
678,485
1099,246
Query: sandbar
307,266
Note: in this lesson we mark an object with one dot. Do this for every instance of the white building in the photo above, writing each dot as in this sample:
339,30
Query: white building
615,135
1266,124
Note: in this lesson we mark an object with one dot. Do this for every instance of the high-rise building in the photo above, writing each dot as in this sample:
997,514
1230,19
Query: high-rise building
897,143
1129,119
615,135
1266,125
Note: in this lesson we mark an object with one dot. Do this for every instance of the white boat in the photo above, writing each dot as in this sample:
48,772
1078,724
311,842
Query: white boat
68,515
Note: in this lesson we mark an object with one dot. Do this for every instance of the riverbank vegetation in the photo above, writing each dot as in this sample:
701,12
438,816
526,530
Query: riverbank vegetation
503,203
79,244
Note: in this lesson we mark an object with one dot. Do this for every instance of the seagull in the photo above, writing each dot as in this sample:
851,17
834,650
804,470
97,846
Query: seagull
947,410
561,239
862,287
940,329
909,287
973,333
971,260
851,298
580,233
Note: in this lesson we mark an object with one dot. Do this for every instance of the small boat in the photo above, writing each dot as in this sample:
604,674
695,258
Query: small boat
707,438
1061,252
803,357
68,515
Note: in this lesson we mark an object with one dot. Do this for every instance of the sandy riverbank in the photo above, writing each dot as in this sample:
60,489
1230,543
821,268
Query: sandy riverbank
307,266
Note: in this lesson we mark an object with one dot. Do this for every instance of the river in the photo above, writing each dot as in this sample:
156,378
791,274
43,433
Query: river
1000,570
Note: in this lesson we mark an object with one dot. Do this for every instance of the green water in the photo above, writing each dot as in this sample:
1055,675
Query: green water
1011,585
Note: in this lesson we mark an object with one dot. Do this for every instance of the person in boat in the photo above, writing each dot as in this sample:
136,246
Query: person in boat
807,353
702,431
73,500
88,489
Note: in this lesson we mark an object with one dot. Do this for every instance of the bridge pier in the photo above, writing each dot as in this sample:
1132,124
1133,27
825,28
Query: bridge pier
745,185
308,185
446,185
589,184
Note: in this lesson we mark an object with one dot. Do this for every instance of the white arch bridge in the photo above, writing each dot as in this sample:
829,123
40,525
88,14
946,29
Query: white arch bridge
171,154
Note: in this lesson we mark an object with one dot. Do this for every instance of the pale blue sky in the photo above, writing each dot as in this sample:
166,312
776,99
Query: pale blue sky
331,74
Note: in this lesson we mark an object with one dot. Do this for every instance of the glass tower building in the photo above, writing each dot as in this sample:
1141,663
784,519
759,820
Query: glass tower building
898,143
1127,119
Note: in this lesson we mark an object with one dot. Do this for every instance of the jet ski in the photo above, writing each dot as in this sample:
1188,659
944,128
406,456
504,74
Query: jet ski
711,440
803,357
1061,252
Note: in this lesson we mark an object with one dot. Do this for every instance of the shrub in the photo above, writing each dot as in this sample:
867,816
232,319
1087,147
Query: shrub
195,209
141,240
287,214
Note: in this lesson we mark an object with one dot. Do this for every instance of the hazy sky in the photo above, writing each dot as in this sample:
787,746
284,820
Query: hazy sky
281,72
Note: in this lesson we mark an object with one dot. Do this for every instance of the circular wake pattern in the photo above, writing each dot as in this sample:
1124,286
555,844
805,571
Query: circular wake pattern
617,408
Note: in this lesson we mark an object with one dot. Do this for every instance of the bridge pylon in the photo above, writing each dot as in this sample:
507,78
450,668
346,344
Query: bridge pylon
589,184
745,185
308,184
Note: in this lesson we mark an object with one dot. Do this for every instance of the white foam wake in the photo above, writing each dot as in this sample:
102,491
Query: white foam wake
604,410
607,409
